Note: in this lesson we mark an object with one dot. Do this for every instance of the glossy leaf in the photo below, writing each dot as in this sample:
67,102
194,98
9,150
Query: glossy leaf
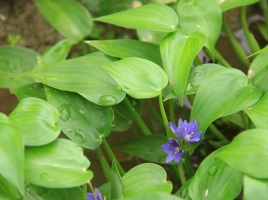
223,92
138,77
215,179
154,196
145,147
81,76
260,79
229,4
60,164
198,74
68,17
258,112
80,120
259,63
34,192
58,52
36,119
178,51
146,178
11,155
255,188
123,48
13,61
116,183
196,15
156,17
248,153
154,37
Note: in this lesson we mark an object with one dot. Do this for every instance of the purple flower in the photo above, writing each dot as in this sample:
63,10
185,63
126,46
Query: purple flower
186,131
173,149
90,196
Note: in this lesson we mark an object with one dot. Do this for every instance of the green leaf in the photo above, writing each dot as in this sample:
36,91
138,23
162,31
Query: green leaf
154,196
183,192
30,90
123,118
68,17
223,92
146,178
229,4
156,17
116,183
13,61
178,51
255,188
60,164
82,121
258,112
138,77
145,147
248,153
58,52
11,155
196,15
260,79
259,63
81,76
154,37
123,48
198,74
34,192
7,189
36,119
215,179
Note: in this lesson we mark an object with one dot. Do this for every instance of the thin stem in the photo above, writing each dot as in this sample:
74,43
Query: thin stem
244,120
181,173
219,58
188,167
217,133
197,61
264,7
164,116
104,164
112,156
84,192
84,48
240,52
137,117
253,44
92,189
156,114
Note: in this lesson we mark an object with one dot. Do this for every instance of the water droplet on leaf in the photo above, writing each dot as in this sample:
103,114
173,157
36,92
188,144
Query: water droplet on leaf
44,177
80,136
197,73
107,100
212,170
65,112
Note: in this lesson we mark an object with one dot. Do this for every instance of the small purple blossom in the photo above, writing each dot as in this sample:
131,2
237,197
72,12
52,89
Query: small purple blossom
173,149
90,196
186,131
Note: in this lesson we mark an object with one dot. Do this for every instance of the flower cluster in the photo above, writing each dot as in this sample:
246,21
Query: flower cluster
97,196
187,132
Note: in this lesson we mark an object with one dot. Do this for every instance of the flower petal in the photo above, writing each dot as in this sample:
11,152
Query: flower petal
90,196
167,148
177,157
172,127
170,157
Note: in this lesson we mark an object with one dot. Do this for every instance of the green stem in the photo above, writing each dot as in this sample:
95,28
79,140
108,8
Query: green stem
164,116
189,167
219,58
181,173
104,164
244,120
171,110
264,7
197,61
84,48
137,118
240,52
156,114
84,192
112,156
253,44
217,133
